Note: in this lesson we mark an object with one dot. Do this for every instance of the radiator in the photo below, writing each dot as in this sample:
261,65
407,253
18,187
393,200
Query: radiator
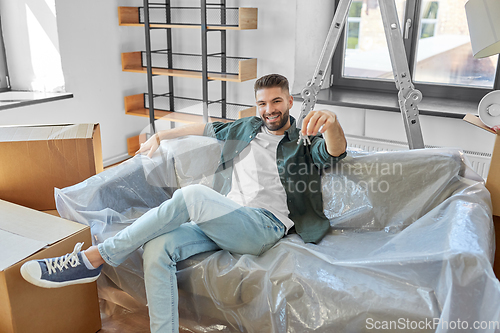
479,162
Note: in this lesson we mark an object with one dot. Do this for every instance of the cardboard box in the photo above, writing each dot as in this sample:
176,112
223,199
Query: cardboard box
492,184
496,262
37,158
493,180
26,234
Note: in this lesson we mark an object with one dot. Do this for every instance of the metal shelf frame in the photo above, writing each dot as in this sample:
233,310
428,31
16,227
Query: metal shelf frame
147,6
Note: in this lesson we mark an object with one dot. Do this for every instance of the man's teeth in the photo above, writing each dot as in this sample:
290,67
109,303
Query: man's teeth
271,118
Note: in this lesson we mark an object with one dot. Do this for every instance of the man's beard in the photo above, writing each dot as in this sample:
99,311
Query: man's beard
278,125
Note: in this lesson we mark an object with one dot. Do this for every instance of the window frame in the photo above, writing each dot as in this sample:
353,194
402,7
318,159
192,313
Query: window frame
3,62
412,11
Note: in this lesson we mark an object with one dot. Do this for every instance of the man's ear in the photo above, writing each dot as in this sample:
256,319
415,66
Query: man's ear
290,101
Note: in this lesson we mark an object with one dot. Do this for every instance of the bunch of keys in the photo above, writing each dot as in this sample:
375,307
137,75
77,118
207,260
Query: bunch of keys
303,138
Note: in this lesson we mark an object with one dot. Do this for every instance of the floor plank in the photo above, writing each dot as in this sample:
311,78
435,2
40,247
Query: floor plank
137,322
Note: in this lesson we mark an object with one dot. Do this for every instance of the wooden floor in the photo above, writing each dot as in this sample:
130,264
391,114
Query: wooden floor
126,323
130,323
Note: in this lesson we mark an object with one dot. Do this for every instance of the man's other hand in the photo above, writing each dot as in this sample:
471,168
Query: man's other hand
150,146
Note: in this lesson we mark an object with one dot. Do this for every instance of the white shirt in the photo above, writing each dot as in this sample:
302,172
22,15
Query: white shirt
255,180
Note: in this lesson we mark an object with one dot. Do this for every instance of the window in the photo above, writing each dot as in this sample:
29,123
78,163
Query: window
437,45
369,59
30,45
30,64
353,23
444,54
429,19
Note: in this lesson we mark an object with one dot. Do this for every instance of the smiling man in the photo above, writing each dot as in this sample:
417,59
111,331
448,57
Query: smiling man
265,187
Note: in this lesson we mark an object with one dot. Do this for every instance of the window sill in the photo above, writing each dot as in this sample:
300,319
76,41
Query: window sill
14,99
385,101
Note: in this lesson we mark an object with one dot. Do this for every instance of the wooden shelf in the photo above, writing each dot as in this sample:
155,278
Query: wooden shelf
247,20
134,105
247,69
175,116
134,143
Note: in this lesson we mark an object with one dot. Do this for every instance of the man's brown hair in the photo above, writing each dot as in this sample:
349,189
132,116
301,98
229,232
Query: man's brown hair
271,81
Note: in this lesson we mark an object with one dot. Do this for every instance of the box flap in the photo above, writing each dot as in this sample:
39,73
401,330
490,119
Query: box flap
493,179
15,248
475,120
35,225
45,132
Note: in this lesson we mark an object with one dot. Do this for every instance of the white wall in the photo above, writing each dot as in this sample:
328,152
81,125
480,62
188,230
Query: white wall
313,21
90,43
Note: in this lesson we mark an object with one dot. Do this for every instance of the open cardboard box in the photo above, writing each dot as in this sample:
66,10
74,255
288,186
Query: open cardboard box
492,184
37,158
27,234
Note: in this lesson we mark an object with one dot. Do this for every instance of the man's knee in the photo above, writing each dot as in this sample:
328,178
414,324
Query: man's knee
196,192
156,251
170,248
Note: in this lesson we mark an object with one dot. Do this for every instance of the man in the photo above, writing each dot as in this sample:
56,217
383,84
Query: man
266,185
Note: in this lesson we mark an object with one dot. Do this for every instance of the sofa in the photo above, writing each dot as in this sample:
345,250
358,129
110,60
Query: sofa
410,247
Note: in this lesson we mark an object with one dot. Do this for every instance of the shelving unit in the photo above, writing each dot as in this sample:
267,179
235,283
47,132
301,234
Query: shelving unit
247,19
205,67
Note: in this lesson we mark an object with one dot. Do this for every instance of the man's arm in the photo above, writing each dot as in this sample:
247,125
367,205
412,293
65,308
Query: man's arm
335,141
153,142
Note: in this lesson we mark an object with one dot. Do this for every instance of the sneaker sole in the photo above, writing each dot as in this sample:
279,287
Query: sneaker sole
52,284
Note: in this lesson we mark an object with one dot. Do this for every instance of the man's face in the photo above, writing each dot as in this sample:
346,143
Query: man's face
274,105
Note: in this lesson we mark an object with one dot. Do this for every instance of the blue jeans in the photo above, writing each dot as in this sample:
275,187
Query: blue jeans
219,223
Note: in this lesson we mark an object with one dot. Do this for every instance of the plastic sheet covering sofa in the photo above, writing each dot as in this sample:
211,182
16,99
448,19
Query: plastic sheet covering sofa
410,248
